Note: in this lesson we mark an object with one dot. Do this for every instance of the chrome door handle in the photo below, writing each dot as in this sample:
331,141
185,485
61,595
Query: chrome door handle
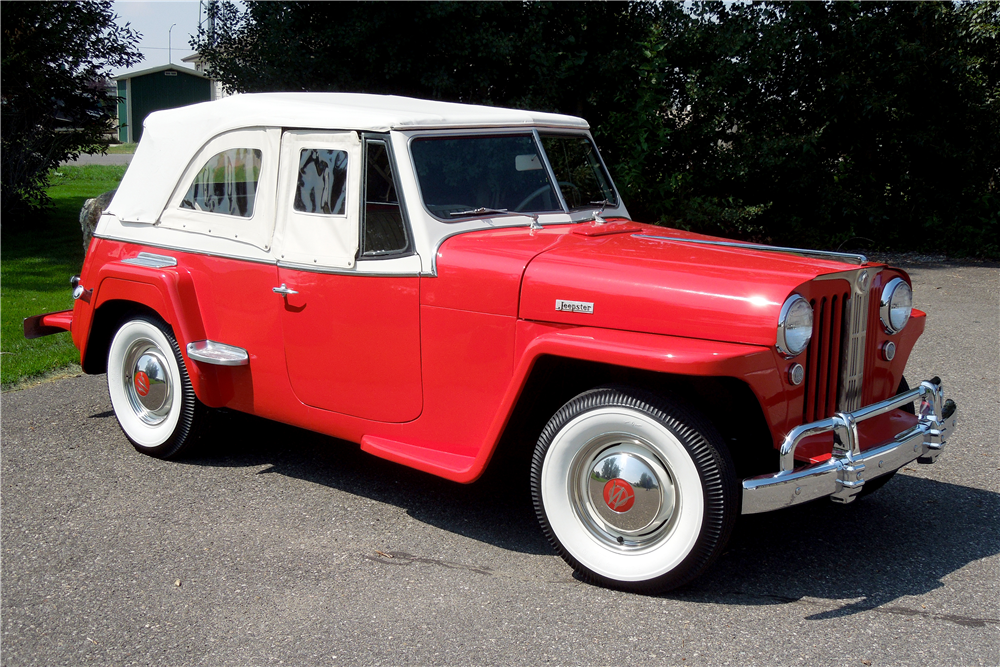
283,290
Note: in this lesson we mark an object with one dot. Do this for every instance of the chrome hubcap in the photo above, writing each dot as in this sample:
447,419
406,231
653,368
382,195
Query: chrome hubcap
146,381
625,494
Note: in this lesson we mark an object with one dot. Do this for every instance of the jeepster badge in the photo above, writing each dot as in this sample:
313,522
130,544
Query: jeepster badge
574,306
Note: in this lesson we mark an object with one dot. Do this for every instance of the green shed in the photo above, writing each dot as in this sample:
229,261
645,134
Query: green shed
150,90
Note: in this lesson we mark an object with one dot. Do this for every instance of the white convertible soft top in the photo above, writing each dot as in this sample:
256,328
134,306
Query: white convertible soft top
171,138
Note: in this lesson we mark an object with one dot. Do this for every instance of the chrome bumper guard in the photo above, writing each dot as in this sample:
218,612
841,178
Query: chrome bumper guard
843,475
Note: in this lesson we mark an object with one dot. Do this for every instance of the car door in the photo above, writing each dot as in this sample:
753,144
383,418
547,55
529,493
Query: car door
351,325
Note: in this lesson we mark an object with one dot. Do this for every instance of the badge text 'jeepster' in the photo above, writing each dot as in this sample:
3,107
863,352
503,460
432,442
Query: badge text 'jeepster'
575,306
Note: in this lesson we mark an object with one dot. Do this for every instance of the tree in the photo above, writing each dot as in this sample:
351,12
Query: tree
820,124
57,59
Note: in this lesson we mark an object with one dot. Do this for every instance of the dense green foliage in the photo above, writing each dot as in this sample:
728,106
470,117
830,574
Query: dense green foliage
57,58
823,124
35,270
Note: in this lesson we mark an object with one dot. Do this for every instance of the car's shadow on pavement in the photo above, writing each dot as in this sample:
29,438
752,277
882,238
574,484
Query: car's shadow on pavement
496,509
901,541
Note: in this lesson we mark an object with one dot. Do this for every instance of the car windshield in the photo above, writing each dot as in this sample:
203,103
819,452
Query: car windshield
494,174
578,168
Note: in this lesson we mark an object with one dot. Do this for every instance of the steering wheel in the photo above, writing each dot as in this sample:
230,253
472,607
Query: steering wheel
547,188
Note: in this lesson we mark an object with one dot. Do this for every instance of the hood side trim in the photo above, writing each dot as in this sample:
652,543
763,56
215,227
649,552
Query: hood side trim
847,258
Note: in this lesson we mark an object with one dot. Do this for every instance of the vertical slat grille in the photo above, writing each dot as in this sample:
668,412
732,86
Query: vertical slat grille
867,394
838,360
823,357
836,331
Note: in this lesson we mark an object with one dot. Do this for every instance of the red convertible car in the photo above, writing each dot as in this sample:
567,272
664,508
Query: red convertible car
439,281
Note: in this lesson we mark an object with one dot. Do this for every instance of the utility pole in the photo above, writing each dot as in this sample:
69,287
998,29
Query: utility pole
169,58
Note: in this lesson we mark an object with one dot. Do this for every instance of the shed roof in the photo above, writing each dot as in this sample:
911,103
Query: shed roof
161,68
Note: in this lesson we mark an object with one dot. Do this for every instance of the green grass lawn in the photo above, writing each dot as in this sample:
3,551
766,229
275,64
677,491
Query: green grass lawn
35,268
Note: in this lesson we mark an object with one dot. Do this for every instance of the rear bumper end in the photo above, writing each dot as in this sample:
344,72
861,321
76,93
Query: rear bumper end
843,475
48,324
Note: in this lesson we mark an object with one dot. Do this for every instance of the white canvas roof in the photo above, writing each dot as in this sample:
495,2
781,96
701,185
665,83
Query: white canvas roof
171,137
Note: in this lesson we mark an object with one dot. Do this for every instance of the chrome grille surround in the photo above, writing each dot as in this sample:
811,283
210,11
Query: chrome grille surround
853,338
852,370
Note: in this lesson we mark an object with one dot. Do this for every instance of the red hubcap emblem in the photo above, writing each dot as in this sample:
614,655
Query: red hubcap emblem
618,494
142,384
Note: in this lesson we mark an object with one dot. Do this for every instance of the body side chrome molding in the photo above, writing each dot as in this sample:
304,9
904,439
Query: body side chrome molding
188,250
848,258
308,268
152,261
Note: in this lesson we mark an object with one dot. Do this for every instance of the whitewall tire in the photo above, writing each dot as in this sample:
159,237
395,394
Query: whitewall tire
634,491
150,389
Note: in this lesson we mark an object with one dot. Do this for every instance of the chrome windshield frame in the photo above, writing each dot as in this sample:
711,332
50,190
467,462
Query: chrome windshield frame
600,159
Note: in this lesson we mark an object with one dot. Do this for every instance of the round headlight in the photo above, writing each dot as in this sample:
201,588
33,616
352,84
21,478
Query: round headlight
896,304
795,326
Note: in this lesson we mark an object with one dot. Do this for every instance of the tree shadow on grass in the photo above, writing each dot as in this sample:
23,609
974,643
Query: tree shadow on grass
899,542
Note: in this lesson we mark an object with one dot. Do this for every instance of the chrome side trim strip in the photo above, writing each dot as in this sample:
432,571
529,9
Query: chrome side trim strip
151,261
310,268
217,354
842,476
189,250
848,258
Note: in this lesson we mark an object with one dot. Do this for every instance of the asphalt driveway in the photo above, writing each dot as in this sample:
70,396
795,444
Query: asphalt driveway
272,545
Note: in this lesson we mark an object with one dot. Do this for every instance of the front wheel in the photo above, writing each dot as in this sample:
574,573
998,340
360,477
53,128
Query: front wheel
150,390
633,491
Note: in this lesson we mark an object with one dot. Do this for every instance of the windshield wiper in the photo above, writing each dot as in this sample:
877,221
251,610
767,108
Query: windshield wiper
479,211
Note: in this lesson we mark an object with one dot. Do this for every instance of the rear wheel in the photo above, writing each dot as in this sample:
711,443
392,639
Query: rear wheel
150,389
634,491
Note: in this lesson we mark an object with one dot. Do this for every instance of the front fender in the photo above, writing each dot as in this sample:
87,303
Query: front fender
752,364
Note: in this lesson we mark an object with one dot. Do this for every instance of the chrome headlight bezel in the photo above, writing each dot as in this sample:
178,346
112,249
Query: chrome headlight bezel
790,342
897,287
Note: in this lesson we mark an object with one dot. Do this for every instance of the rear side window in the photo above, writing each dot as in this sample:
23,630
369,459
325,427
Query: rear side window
322,182
227,184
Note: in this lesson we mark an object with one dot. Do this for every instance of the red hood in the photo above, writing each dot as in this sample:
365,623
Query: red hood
644,284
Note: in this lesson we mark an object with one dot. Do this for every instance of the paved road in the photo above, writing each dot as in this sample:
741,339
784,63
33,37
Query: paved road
100,159
275,546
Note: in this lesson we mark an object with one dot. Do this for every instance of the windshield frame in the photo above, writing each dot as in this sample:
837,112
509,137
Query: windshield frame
533,131
600,160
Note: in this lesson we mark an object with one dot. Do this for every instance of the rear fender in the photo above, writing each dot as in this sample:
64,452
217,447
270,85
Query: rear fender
171,295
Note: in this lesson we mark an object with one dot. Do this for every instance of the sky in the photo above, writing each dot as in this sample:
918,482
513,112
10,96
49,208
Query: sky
153,20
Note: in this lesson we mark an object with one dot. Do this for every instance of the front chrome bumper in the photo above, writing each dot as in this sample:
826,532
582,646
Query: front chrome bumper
843,475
